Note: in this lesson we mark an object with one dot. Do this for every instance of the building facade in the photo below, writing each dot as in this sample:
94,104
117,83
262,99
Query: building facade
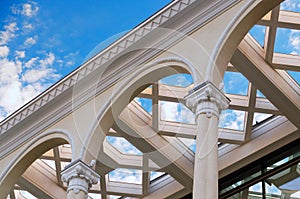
60,144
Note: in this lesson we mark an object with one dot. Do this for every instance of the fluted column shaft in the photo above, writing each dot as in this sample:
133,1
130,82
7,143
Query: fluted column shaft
206,101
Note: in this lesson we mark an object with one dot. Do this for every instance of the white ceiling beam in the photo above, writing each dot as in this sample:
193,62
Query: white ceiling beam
41,176
142,136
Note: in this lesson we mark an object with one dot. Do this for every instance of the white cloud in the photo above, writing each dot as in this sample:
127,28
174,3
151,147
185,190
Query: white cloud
123,145
27,27
35,75
169,111
22,81
30,41
29,10
8,33
48,61
4,50
290,4
232,119
126,175
294,41
10,85
42,72
31,62
20,54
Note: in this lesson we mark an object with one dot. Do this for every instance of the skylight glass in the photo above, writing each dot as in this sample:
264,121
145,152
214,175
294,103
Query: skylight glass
295,74
122,145
176,112
258,33
50,163
290,5
287,41
126,175
232,119
190,143
155,174
260,117
145,103
180,80
27,195
94,196
235,83
259,94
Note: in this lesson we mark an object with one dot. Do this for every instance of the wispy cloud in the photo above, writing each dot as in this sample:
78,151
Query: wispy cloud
290,5
126,175
28,9
176,112
4,50
20,54
232,119
30,41
8,33
123,145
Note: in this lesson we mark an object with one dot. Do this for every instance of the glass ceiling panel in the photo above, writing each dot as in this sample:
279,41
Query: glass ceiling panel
287,41
295,75
190,143
235,83
176,112
232,119
259,94
145,103
94,196
180,80
126,175
155,174
260,117
122,145
290,5
26,194
50,163
258,33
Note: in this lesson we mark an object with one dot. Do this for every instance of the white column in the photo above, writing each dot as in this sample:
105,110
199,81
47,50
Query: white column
79,177
206,101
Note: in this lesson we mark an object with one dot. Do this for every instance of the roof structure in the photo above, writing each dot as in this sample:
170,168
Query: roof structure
123,114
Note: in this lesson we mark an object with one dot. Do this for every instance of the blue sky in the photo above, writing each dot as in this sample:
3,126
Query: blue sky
42,41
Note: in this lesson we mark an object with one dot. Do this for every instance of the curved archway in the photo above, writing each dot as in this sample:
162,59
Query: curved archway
125,91
33,150
236,31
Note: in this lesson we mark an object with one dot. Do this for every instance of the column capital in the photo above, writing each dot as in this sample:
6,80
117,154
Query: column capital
79,177
207,98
